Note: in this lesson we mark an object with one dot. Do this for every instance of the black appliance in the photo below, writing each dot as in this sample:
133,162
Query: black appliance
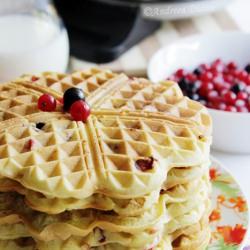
101,30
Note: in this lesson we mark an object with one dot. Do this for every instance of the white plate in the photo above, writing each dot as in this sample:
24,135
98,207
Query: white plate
230,218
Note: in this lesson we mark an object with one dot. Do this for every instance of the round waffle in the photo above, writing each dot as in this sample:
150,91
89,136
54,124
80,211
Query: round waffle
134,176
70,159
21,221
125,207
179,240
108,91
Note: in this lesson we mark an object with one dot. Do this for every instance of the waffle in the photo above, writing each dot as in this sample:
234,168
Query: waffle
186,174
136,171
94,82
17,102
109,91
179,240
21,221
125,207
60,163
82,222
164,98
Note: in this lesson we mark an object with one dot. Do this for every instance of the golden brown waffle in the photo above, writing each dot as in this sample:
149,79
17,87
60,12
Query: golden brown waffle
16,101
106,90
192,237
21,221
141,138
124,207
63,163
94,82
165,97
179,240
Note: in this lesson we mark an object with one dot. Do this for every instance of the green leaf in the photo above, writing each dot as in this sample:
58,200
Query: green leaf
228,191
221,245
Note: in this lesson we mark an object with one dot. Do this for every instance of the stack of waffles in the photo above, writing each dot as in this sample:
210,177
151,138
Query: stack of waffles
134,176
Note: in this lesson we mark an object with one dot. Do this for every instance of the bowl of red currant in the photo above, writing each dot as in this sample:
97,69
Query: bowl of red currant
215,71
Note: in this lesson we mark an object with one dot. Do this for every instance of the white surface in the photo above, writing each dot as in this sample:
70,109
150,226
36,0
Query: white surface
239,166
231,131
31,44
171,11
239,11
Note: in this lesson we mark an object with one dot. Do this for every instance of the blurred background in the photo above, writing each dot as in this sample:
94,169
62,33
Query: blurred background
119,34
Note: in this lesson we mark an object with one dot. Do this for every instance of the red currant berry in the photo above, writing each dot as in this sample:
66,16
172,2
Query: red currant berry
232,65
217,66
243,75
247,90
242,96
247,80
242,109
47,102
222,106
230,97
191,77
204,67
206,77
230,109
219,86
205,88
212,95
217,61
235,73
214,72
228,78
180,73
240,103
30,144
34,78
80,111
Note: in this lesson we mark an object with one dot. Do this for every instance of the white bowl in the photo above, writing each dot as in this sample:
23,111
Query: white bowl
231,130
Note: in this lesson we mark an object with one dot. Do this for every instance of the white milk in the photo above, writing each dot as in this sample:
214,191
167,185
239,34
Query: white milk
30,44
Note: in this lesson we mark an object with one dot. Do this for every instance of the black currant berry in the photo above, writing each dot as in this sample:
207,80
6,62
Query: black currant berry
197,71
183,83
247,68
70,96
238,87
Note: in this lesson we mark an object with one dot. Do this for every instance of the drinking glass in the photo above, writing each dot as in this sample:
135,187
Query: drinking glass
32,39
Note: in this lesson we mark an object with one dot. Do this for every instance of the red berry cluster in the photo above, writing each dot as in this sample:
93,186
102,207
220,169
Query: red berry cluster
73,101
218,85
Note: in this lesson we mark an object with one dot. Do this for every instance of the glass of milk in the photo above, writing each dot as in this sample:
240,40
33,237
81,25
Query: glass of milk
32,39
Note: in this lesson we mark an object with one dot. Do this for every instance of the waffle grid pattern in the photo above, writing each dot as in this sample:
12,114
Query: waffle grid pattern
142,155
16,102
58,161
107,90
